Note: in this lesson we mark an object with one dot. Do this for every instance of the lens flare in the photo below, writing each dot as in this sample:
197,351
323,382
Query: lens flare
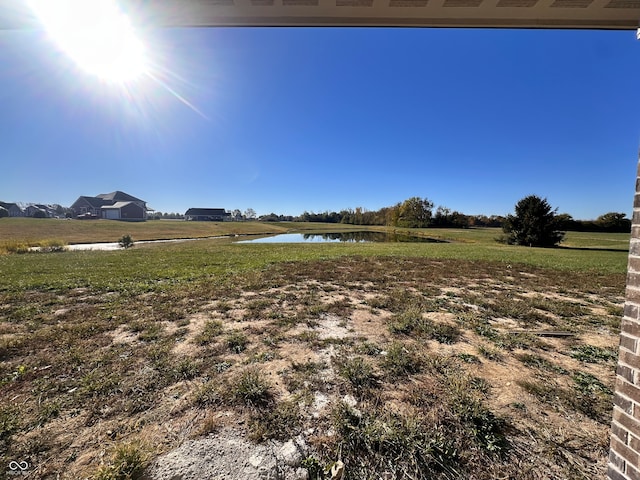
96,34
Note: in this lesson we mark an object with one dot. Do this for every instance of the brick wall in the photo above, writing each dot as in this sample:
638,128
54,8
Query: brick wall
624,456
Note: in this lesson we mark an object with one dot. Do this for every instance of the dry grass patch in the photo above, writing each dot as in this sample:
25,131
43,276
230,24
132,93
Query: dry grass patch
414,367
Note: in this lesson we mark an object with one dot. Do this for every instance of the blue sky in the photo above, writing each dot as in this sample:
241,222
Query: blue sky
288,120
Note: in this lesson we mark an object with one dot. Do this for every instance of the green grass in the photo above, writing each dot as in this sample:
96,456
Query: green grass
597,240
158,266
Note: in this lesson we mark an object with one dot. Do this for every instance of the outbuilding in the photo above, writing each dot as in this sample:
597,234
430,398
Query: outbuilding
206,214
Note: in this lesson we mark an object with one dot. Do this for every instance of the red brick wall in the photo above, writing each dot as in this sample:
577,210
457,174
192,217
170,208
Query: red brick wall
624,456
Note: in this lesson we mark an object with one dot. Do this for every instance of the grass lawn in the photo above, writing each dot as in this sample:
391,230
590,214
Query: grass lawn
435,346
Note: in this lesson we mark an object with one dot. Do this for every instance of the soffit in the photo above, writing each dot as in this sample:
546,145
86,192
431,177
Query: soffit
600,14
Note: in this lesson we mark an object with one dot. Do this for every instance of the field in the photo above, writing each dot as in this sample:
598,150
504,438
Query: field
469,359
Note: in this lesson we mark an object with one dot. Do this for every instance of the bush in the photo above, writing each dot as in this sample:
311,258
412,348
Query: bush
533,225
126,241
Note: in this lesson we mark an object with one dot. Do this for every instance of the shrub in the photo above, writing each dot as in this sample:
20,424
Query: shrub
126,241
533,225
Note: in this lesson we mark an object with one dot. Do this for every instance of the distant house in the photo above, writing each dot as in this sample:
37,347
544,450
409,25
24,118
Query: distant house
40,210
88,206
124,211
13,209
112,206
206,214
36,211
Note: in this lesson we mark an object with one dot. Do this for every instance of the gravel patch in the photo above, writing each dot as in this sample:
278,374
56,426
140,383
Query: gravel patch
226,455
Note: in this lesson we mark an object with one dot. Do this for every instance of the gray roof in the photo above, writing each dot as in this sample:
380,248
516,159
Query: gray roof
207,212
7,205
118,196
95,202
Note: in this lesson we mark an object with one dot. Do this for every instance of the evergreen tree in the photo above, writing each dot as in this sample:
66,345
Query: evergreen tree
533,225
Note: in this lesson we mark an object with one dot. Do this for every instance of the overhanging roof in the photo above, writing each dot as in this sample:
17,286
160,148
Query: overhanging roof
602,14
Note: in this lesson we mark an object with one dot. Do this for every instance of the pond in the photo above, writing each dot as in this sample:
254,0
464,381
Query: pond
351,237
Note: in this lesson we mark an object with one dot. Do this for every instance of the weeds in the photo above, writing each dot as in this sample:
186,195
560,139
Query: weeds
590,385
561,308
593,354
589,396
489,353
536,361
186,369
444,333
212,329
237,341
126,241
401,360
412,321
52,246
127,463
375,443
9,421
468,358
303,375
313,467
357,371
485,426
407,321
208,395
251,388
280,423
368,348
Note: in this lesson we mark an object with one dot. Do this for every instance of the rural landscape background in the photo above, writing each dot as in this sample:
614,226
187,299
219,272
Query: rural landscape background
471,358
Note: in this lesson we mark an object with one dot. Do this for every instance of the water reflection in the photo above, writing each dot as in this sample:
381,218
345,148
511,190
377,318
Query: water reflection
352,237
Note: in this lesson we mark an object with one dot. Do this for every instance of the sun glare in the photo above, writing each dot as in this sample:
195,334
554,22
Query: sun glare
96,34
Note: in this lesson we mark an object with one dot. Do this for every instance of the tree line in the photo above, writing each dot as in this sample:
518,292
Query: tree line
417,212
